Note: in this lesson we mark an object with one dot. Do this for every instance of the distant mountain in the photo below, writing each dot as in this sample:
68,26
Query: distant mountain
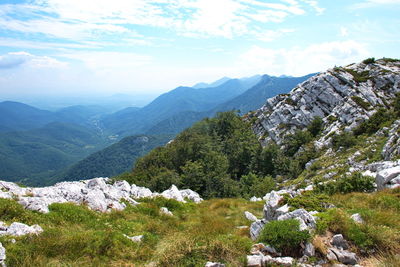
182,99
213,84
35,155
16,116
254,98
251,99
115,159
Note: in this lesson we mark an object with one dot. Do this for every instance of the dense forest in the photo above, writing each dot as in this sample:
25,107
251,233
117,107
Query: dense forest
221,157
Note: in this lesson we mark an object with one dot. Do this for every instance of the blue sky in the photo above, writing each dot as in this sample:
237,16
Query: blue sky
73,47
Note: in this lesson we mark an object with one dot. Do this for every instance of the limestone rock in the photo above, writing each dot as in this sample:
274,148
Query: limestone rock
384,177
302,215
271,205
136,239
335,96
191,195
255,199
339,242
20,229
255,228
255,261
343,256
249,216
214,264
2,253
165,211
173,193
280,261
357,218
309,250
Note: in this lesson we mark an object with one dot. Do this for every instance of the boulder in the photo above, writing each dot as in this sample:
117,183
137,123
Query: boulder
173,193
249,216
255,199
339,242
191,195
302,215
20,229
255,228
343,256
2,253
309,250
271,205
384,177
255,261
280,261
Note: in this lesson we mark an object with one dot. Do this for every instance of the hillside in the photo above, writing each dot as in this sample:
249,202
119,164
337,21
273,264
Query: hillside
35,155
181,99
319,165
114,159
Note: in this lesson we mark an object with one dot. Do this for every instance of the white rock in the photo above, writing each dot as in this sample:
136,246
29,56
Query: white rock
357,218
303,216
255,199
20,229
191,195
165,211
214,264
249,216
136,239
254,260
2,253
173,193
384,177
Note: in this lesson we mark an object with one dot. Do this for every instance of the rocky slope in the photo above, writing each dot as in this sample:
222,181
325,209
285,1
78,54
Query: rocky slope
342,96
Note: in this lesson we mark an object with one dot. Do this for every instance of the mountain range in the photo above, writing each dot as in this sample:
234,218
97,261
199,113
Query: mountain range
160,120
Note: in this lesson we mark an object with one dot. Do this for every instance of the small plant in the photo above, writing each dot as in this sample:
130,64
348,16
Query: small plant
285,236
359,77
309,201
359,101
370,60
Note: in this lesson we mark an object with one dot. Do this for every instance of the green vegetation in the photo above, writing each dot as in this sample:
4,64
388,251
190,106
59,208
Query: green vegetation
370,60
359,77
74,235
115,159
309,201
345,140
354,183
380,232
285,236
359,101
379,119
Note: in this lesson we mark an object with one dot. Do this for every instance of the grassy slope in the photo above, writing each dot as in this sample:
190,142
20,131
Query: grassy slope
74,235
197,233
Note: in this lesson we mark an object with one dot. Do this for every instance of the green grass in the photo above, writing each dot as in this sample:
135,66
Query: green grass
74,235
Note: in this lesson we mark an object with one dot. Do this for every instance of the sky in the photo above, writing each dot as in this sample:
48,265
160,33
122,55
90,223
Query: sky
103,47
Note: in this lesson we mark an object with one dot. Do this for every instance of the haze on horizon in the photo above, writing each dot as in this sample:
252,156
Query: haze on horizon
146,47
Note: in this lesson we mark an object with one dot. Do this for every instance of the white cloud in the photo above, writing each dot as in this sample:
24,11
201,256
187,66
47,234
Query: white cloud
373,3
109,61
16,59
301,60
82,20
344,32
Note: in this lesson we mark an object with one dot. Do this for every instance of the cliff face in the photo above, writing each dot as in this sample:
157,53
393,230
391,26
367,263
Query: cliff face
342,96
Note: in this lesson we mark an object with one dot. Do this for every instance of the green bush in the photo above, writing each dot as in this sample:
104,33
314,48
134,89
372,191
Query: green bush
359,101
354,183
285,236
345,139
378,120
309,201
370,60
316,126
293,142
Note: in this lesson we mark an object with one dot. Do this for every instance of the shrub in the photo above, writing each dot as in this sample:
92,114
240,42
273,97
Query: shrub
345,139
316,126
359,101
359,76
370,60
293,142
309,201
285,236
379,119
355,183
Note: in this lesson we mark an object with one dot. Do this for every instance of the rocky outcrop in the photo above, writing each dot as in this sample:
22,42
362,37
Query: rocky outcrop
98,194
391,149
20,229
342,97
2,255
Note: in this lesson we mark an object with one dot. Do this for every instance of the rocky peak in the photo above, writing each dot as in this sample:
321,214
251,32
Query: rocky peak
342,96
